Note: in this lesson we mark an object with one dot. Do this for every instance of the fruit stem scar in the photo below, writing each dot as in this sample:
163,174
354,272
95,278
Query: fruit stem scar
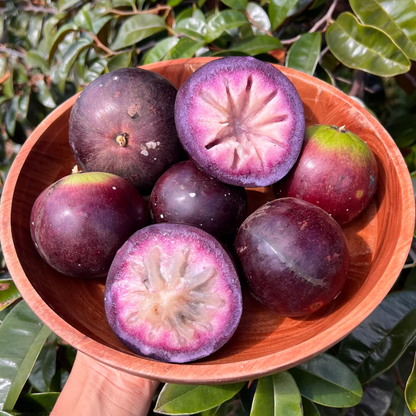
121,139
75,169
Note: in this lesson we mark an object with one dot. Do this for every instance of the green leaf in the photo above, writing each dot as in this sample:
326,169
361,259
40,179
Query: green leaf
278,10
309,408
121,3
177,399
174,3
160,50
185,48
18,24
137,28
71,55
399,406
96,69
236,4
277,395
378,342
395,18
98,24
183,14
22,336
322,73
43,95
35,29
1,26
121,60
50,24
304,54
365,47
258,44
259,16
59,36
194,28
36,403
11,116
410,391
223,21
82,19
327,381
8,292
66,4
23,104
36,59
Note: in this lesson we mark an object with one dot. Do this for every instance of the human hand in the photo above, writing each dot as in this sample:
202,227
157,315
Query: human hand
95,389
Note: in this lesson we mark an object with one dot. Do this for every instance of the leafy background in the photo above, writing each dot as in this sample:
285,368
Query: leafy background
49,50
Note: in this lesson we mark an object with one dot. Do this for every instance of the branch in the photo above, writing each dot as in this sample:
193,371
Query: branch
99,43
255,24
12,52
156,10
325,19
30,8
357,89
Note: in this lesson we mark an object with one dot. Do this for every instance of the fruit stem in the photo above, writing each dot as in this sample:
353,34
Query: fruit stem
342,129
75,169
121,139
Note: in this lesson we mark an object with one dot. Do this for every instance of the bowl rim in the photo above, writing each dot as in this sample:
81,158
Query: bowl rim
207,373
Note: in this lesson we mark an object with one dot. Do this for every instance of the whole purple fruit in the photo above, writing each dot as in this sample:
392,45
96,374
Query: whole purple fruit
79,222
336,171
123,123
294,256
241,120
172,293
185,194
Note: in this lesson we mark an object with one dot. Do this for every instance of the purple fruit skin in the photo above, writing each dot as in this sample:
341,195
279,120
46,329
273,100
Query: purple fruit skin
294,256
185,194
133,101
78,227
173,232
199,154
340,179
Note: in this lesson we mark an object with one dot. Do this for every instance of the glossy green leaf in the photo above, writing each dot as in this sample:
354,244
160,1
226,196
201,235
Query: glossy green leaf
36,403
410,391
396,18
137,28
23,104
1,26
96,69
98,24
11,116
327,381
259,16
174,3
121,3
7,86
192,27
66,4
185,48
35,29
378,342
4,413
223,21
236,4
36,59
43,95
71,55
177,399
59,36
22,336
82,19
399,406
277,395
322,73
304,54
18,24
160,50
121,60
365,47
278,10
51,22
183,14
8,292
198,14
309,408
258,44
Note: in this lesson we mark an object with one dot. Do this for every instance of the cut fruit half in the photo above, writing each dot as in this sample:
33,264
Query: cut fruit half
241,120
173,294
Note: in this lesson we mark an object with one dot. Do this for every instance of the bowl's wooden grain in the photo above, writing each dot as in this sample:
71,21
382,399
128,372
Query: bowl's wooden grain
379,241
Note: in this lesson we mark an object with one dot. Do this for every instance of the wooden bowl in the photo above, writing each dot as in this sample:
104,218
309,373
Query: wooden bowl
264,343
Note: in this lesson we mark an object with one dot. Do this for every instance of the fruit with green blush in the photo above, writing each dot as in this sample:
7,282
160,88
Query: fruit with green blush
336,171
79,222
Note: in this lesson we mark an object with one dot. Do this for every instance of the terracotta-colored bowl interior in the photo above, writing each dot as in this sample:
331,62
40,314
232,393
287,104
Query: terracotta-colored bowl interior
264,343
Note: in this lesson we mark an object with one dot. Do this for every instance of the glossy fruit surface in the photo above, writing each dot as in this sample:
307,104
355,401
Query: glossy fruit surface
185,194
294,256
79,222
336,171
123,123
172,293
241,120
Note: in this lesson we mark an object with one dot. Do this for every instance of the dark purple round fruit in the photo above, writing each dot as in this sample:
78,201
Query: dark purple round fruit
123,123
336,171
241,120
79,222
173,294
185,194
294,256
